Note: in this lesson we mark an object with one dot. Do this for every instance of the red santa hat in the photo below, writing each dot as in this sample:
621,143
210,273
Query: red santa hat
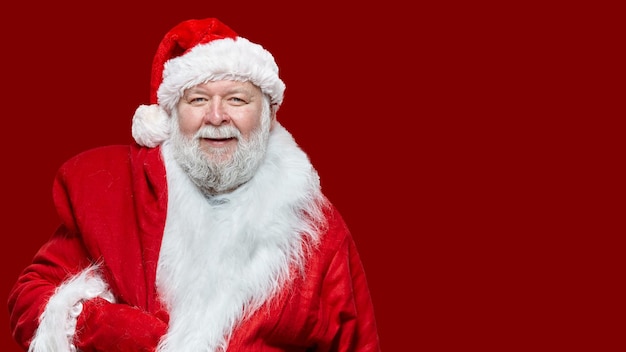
197,51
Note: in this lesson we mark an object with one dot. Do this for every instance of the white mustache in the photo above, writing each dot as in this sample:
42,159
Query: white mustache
218,133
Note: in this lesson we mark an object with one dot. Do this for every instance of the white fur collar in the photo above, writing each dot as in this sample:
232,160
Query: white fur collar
219,257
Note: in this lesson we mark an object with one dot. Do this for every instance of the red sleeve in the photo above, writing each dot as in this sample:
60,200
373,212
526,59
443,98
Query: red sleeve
96,195
61,257
346,291
327,309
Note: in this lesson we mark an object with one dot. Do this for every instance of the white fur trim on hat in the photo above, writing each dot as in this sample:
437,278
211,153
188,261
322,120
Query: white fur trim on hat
150,125
238,59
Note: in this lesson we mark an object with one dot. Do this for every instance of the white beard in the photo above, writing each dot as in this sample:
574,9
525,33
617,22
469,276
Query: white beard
222,258
218,176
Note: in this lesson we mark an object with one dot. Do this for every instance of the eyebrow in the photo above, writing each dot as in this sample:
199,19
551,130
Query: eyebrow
230,90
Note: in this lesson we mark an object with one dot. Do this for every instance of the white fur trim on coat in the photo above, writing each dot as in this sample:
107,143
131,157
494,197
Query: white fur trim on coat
222,258
57,324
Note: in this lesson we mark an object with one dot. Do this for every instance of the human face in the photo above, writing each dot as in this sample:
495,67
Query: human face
225,105
218,157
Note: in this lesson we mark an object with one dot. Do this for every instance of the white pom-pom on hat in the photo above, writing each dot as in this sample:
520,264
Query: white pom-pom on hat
150,126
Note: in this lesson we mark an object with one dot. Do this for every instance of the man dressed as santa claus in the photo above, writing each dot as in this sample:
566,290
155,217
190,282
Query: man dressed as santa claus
210,233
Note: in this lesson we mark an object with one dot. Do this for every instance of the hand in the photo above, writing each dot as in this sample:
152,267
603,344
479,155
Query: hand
105,326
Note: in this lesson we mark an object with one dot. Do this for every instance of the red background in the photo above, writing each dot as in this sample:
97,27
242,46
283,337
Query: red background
458,141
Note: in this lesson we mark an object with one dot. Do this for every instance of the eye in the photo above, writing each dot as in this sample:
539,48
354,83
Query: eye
196,100
235,100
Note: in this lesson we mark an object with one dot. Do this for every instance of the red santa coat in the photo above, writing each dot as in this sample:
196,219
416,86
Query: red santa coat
113,201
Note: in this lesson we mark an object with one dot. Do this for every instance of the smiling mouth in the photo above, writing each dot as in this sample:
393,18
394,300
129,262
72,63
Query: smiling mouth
219,142
219,139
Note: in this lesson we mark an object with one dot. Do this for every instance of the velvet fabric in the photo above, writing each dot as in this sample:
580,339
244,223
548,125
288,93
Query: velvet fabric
112,202
100,322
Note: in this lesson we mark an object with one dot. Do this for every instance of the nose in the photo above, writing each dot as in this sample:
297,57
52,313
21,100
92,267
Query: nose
216,114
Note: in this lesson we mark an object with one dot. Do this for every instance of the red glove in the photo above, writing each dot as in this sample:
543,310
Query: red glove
105,326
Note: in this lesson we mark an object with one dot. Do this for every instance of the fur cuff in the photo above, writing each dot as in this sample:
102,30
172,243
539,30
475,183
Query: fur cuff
150,125
57,324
